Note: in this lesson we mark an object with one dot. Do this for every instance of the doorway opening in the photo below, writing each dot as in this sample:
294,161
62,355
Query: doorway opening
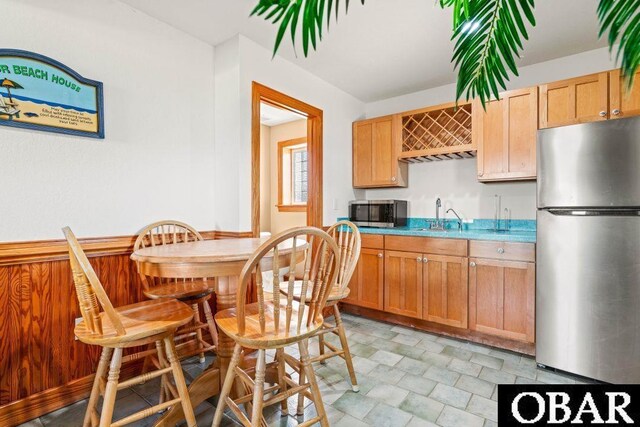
286,162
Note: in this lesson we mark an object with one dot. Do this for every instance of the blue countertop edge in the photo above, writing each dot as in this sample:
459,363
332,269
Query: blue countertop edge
520,231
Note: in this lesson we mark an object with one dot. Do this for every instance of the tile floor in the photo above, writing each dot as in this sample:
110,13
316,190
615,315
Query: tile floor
407,378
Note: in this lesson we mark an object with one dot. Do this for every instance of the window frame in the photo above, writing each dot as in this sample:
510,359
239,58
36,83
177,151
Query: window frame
289,145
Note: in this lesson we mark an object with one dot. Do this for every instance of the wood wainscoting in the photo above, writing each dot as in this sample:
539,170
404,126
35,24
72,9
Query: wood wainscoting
42,367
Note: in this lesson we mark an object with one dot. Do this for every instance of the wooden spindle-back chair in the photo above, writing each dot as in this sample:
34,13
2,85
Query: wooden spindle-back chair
196,291
280,322
347,237
115,329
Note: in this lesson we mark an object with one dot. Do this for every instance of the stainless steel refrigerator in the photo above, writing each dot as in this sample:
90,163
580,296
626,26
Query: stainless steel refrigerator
588,250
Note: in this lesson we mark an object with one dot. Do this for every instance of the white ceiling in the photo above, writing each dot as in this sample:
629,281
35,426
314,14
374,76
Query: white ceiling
386,47
274,116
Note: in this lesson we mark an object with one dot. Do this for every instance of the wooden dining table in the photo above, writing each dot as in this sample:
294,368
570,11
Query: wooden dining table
221,260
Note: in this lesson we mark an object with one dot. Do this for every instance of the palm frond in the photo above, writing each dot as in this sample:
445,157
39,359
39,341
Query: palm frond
489,37
289,13
621,19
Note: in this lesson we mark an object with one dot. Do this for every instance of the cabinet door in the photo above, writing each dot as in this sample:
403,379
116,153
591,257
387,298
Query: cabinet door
362,153
506,136
366,285
445,290
623,102
580,100
403,283
376,147
502,298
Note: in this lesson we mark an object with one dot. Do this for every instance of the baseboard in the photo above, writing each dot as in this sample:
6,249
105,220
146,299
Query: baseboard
36,405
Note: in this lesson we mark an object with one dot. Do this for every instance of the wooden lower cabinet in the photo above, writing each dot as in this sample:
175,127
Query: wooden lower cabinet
366,285
403,283
502,298
445,290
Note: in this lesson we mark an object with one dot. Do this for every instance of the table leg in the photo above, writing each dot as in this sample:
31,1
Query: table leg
209,383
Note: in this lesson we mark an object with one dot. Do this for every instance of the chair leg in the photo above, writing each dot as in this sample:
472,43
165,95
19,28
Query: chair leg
111,389
208,315
178,377
196,322
284,407
226,387
95,390
165,381
345,347
301,380
313,385
258,389
321,347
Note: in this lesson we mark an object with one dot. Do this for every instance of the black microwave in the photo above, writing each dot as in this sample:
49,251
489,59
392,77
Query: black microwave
378,213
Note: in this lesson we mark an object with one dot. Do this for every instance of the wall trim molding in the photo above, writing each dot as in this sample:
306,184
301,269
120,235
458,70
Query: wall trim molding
36,405
12,253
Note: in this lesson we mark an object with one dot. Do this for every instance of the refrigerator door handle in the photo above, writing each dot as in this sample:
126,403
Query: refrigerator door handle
594,212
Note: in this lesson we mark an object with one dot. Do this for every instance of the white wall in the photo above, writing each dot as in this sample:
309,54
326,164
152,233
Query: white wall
156,161
281,221
340,110
455,181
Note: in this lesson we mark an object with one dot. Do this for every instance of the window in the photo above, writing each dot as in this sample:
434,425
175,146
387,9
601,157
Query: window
299,175
292,175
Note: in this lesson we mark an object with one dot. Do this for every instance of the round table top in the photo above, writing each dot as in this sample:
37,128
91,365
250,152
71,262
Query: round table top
208,251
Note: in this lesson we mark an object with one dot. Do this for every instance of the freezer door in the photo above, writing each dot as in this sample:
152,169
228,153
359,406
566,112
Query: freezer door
590,165
588,294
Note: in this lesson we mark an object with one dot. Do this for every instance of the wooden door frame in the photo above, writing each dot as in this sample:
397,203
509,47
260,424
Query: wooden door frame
314,116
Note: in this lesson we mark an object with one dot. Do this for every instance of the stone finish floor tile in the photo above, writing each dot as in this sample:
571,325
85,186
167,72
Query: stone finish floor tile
453,417
407,378
451,396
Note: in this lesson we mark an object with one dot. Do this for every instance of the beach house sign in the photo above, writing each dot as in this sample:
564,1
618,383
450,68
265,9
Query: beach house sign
40,93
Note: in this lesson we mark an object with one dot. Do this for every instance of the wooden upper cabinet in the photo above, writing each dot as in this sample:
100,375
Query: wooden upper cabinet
505,135
623,103
445,290
366,285
502,298
376,147
578,100
403,283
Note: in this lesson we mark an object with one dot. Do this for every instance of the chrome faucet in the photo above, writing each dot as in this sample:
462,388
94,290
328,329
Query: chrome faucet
438,225
457,216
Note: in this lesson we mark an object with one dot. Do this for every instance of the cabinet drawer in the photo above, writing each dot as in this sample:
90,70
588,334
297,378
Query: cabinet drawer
372,241
503,250
427,245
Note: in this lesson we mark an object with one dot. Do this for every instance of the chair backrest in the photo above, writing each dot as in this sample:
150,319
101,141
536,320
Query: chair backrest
2,104
347,237
321,258
91,294
166,232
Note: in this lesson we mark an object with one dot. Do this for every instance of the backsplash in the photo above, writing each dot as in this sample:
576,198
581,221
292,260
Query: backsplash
474,224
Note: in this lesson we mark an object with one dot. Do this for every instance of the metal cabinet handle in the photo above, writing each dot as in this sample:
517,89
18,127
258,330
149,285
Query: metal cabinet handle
472,264
425,260
379,255
603,114
500,250
419,259
615,112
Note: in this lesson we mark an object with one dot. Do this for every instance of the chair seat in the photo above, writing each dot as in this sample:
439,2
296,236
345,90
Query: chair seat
182,290
253,338
142,320
335,295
